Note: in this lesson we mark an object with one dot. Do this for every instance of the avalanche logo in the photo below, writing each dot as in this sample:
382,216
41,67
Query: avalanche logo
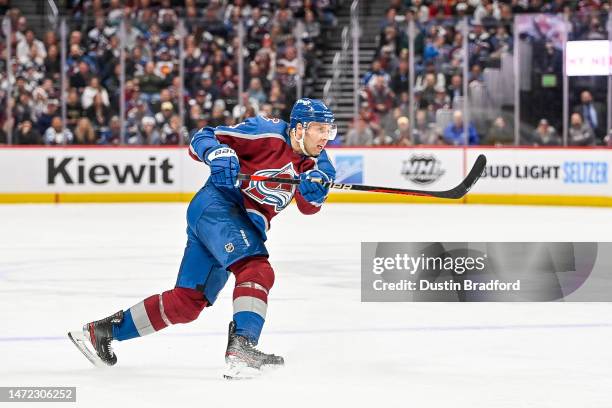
276,194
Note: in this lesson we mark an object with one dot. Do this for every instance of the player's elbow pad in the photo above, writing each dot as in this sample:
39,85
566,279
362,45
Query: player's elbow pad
201,142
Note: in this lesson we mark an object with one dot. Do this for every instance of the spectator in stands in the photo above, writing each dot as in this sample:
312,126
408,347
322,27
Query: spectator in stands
44,120
150,83
56,134
454,132
499,134
148,135
381,138
26,134
84,133
580,133
256,91
400,81
163,117
173,131
74,109
94,88
592,112
30,48
360,134
402,133
425,132
99,115
380,97
375,71
53,62
430,70
545,135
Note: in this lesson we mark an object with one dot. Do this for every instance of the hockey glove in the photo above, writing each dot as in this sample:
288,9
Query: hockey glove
315,193
224,166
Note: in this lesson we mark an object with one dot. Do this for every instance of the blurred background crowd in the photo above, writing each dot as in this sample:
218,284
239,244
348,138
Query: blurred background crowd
202,40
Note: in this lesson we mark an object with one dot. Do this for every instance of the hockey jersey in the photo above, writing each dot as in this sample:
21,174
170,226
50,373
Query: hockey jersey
263,148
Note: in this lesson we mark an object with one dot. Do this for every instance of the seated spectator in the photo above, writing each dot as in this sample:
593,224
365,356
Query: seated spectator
148,135
150,83
3,137
74,110
455,89
94,88
56,134
454,132
545,135
403,137
26,134
422,81
44,121
84,133
426,132
592,113
380,97
579,133
360,134
163,117
99,115
499,134
30,48
401,79
382,138
173,131
375,71
256,91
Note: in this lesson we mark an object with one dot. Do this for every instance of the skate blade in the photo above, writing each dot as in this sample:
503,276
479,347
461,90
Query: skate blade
236,370
80,340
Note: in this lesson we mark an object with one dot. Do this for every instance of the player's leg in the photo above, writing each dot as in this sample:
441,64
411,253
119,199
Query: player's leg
228,233
182,304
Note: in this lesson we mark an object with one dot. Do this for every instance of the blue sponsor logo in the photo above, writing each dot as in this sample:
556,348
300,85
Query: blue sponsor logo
581,172
349,169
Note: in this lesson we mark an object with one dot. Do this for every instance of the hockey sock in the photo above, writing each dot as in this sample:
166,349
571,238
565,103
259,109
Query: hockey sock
254,278
179,305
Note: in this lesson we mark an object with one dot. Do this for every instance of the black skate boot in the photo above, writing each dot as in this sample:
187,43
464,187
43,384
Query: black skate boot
243,360
95,340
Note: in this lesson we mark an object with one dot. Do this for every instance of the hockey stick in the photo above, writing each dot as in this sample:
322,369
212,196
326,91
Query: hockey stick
454,193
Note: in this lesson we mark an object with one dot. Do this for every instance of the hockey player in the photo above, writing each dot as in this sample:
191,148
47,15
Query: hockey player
227,222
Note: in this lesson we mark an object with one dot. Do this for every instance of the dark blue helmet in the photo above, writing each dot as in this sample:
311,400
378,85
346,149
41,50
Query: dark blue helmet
310,110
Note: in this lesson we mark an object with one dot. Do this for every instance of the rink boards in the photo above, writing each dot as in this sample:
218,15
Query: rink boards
546,176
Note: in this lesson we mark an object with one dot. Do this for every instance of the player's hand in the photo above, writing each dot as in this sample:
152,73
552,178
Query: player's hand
314,192
224,166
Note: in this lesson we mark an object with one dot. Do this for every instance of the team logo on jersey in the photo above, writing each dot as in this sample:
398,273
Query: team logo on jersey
229,247
278,195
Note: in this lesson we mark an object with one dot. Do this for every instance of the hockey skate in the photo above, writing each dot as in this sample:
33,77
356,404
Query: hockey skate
243,360
95,338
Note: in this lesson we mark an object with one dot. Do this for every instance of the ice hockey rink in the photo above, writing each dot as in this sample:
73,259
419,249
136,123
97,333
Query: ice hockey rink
64,265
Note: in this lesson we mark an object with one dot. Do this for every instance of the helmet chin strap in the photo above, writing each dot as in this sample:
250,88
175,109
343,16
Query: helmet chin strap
301,141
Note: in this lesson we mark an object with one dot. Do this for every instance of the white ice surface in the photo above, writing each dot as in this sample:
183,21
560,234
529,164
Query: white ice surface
61,266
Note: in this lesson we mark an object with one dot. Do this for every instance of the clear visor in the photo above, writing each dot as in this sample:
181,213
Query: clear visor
322,130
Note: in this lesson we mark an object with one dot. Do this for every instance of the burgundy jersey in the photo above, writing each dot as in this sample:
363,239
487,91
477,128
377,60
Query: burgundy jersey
263,148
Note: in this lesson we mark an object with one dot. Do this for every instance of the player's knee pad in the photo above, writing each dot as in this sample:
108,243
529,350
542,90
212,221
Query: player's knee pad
182,305
255,270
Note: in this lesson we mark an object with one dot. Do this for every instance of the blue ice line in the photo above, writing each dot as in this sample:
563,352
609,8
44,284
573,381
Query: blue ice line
365,330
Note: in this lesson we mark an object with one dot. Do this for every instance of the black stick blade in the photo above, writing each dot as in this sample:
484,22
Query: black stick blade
469,181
